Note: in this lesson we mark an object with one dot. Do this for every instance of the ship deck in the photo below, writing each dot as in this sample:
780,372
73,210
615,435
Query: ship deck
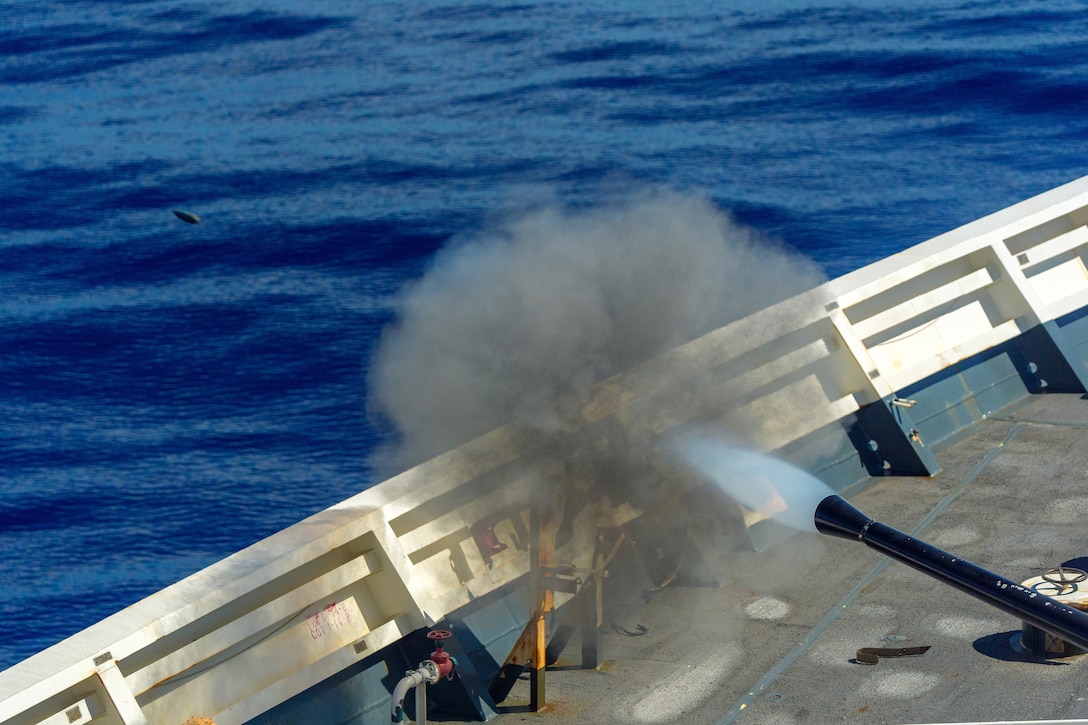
894,366
775,641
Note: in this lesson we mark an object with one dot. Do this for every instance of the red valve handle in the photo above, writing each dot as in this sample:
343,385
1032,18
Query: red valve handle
439,634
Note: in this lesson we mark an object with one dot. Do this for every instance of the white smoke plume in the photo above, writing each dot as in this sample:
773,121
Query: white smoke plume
516,323
762,483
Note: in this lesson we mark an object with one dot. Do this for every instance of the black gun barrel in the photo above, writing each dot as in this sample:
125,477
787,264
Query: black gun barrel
836,517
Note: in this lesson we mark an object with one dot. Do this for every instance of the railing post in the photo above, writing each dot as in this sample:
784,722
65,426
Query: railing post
119,693
542,557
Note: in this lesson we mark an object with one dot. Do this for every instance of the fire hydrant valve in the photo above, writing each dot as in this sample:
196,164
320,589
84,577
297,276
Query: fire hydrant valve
429,672
441,659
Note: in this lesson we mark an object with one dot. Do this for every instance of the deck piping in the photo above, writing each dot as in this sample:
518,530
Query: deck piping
801,647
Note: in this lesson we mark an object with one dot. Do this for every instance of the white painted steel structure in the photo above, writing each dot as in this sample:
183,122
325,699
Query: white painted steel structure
267,623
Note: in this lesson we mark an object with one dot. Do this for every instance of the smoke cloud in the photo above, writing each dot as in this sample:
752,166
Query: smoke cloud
515,324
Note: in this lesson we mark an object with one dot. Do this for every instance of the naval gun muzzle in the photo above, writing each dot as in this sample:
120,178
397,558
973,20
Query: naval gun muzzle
835,517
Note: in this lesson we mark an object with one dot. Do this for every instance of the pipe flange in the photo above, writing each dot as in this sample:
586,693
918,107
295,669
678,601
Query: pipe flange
429,671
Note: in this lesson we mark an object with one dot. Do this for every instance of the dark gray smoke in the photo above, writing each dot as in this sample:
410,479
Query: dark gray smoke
516,323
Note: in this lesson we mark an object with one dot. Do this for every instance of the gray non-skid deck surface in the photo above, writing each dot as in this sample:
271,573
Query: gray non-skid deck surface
774,644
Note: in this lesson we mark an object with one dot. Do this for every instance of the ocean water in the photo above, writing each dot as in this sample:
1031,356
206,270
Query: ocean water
171,393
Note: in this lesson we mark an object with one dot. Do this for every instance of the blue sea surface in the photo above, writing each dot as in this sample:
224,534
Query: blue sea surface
171,393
